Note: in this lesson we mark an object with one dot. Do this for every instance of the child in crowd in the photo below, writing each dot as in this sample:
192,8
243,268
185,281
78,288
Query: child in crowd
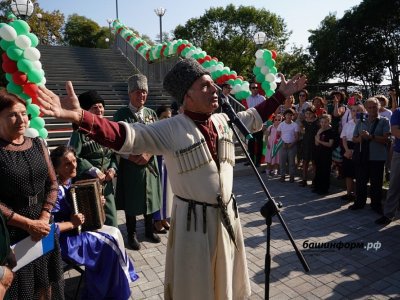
318,103
310,127
323,155
289,132
271,136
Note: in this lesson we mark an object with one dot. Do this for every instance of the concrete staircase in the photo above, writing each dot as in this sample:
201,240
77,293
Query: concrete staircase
103,70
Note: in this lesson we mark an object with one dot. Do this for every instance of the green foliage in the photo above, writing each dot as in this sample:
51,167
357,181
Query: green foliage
227,33
81,31
360,45
48,29
297,61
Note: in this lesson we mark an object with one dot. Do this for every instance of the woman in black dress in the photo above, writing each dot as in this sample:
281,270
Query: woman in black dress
323,155
28,191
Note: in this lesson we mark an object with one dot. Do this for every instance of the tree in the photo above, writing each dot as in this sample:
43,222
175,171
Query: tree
49,28
81,31
227,33
297,61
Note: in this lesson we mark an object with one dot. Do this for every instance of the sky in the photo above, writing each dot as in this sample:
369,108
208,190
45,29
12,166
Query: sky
299,15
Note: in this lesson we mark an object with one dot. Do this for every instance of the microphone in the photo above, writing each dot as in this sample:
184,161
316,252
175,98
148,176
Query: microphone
227,108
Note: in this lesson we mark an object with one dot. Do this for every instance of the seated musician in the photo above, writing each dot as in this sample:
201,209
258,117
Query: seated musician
108,269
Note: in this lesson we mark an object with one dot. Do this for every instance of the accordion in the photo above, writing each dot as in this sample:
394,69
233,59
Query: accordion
86,199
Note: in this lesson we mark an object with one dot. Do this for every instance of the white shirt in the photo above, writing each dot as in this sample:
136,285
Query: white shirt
348,130
254,100
386,113
288,131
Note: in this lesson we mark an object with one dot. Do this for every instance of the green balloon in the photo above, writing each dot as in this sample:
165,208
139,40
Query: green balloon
185,51
267,55
35,75
206,64
256,70
24,65
37,123
230,81
5,44
14,52
269,93
246,94
33,110
237,81
9,77
260,77
28,101
265,85
14,88
273,70
270,63
24,96
20,26
43,133
34,39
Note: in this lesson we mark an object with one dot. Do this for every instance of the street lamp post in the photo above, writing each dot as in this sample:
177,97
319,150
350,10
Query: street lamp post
160,12
109,21
116,8
22,8
259,39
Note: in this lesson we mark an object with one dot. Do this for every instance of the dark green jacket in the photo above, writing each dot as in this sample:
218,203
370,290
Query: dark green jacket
138,190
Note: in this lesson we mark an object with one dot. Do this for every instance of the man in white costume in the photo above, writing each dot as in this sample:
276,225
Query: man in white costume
205,253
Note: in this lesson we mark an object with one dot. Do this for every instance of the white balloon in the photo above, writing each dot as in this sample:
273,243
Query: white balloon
37,64
245,86
31,132
43,82
8,33
190,53
32,53
259,53
218,67
270,77
272,85
23,41
264,70
236,88
260,62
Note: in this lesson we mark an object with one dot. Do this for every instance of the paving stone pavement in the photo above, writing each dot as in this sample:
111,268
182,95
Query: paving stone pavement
344,273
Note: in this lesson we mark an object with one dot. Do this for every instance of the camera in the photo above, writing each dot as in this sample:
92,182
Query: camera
361,116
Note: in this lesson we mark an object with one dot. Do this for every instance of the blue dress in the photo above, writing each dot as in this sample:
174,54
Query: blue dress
108,269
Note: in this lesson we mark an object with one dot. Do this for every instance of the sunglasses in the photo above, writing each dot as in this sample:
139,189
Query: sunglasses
254,87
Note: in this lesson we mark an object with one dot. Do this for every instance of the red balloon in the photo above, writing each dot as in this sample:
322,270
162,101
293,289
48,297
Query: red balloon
19,78
128,38
232,76
148,54
4,57
9,66
31,90
273,54
162,50
214,58
119,29
139,45
201,60
207,57
240,77
35,100
180,48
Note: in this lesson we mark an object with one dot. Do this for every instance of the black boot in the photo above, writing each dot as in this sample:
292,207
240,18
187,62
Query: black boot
148,229
131,229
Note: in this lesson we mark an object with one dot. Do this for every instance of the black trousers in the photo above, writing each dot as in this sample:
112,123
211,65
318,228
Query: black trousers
255,147
372,172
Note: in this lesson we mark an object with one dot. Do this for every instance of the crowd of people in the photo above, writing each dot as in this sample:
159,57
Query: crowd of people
349,136
174,167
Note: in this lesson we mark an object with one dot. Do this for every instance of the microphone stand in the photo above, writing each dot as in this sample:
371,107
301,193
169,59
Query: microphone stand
268,210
